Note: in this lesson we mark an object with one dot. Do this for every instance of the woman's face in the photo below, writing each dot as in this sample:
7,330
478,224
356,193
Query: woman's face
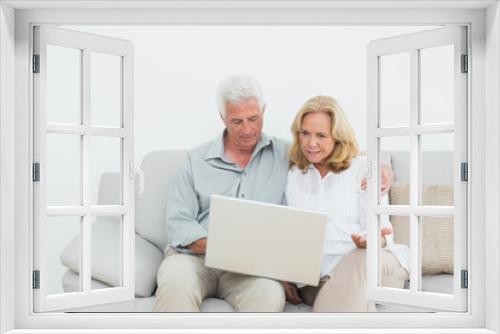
315,137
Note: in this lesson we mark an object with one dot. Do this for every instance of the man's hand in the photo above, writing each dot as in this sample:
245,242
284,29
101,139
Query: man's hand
292,293
360,240
198,247
386,177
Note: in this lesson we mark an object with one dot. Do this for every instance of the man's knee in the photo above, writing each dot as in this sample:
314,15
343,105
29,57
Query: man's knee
268,296
179,284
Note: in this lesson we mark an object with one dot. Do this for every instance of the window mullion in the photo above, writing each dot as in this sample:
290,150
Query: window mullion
414,173
86,184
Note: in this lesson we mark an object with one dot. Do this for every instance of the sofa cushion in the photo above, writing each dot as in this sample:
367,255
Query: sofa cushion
437,170
106,252
150,211
71,282
437,232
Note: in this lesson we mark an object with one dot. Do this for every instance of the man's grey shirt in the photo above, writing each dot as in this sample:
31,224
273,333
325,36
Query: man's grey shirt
208,171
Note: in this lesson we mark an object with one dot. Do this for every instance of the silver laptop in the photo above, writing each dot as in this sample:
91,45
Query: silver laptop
266,240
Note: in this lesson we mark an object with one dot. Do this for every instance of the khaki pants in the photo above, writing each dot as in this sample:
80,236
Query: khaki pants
345,289
184,281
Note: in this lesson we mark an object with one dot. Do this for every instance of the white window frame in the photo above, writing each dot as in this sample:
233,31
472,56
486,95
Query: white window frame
86,210
484,122
412,44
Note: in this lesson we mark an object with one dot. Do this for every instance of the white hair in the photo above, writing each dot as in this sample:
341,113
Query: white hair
236,89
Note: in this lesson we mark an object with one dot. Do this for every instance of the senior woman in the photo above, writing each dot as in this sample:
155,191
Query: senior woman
325,175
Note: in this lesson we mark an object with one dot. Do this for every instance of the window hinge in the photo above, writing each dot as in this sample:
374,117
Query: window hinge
465,279
36,63
36,279
465,64
36,172
464,174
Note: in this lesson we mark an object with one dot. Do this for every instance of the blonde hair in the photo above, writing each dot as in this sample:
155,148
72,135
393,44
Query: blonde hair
345,147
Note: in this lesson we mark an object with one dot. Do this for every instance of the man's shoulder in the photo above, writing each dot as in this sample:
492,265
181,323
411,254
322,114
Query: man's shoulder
202,149
280,144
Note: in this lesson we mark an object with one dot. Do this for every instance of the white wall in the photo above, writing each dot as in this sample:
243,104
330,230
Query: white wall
177,69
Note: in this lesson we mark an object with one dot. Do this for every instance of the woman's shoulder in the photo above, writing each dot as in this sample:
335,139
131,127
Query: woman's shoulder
358,167
294,170
294,182
359,160
296,174
358,163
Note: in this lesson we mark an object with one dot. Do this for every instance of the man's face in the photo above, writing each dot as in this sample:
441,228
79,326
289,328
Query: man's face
244,124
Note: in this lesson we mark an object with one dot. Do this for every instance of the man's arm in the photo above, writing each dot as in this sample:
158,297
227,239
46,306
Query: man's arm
183,229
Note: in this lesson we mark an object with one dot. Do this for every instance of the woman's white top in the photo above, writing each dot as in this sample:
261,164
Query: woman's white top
339,195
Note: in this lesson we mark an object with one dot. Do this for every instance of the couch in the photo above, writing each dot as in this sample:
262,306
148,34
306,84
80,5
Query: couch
150,239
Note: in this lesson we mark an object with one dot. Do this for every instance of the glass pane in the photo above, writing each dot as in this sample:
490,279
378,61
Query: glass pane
107,251
396,150
63,238
106,170
436,152
64,84
437,85
105,90
395,90
437,254
394,258
64,169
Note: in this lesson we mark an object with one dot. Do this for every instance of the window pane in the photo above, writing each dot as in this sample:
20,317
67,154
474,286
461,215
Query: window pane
436,152
63,238
437,254
107,251
395,151
64,84
106,169
64,169
395,90
437,85
394,259
105,89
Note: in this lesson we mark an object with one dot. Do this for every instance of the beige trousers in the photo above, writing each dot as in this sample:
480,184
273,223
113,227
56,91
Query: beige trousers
184,281
345,289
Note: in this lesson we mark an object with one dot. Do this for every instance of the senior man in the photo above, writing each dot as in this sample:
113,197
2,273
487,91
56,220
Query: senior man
244,163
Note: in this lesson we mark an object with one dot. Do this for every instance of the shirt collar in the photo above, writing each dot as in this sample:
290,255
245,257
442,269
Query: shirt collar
311,167
216,149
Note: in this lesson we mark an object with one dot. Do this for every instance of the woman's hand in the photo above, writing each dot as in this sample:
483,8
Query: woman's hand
292,293
360,240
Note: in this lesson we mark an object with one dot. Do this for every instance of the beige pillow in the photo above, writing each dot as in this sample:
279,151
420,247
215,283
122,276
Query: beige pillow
437,232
